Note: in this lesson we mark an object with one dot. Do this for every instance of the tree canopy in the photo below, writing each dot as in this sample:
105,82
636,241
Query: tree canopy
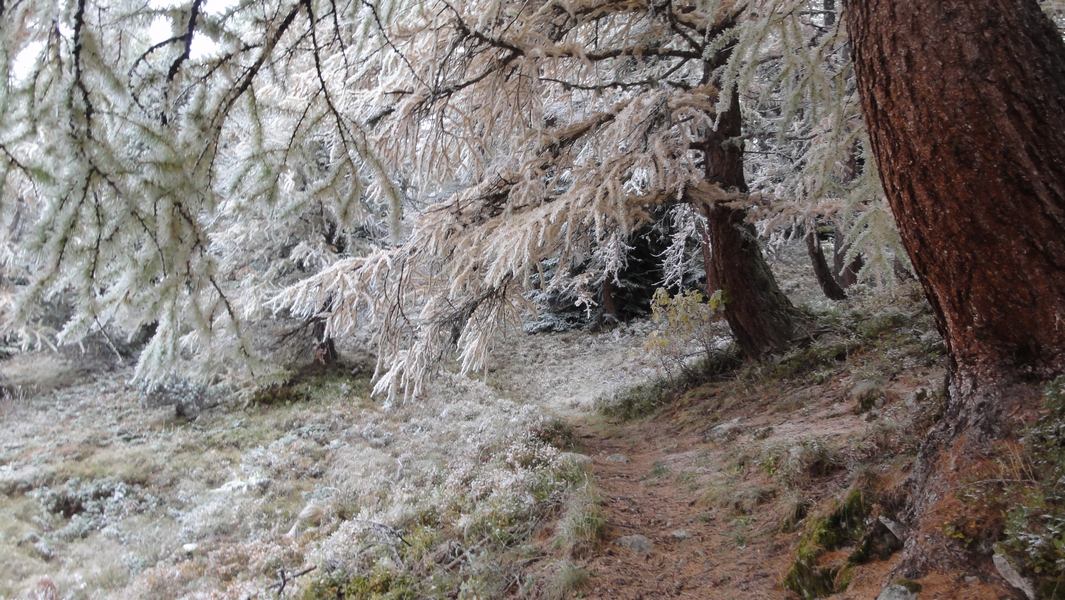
409,169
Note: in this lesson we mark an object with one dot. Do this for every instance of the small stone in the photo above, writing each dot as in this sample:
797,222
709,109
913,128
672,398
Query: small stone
680,534
310,516
896,592
576,458
894,527
1012,576
190,548
637,543
617,458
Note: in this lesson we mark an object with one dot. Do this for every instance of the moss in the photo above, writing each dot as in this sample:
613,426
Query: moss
807,579
876,543
380,585
841,527
812,359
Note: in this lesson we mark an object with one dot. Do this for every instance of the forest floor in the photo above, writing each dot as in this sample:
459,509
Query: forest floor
724,485
569,469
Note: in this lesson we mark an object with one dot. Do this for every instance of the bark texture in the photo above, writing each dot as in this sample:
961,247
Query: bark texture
761,317
965,105
829,285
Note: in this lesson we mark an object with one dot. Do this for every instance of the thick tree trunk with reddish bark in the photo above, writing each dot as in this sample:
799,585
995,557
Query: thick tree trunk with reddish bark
825,278
965,105
761,317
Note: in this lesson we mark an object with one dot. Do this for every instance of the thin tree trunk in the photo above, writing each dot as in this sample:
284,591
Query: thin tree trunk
825,279
325,351
609,312
965,104
846,272
761,317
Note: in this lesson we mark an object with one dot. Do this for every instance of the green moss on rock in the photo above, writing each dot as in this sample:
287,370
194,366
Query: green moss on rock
842,526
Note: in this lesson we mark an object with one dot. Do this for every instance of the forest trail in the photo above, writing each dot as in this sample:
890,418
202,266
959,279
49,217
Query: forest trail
692,552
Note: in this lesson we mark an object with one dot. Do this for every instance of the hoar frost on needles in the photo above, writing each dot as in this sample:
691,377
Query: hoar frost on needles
257,159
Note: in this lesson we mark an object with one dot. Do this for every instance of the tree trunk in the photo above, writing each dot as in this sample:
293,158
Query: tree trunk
609,313
761,317
325,351
965,105
825,279
846,272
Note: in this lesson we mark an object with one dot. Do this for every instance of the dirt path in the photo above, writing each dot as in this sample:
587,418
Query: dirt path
693,553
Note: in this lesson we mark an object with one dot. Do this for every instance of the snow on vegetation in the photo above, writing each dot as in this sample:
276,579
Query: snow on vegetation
103,498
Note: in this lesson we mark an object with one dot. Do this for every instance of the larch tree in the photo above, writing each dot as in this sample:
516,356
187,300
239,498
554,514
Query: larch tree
965,102
208,166
558,131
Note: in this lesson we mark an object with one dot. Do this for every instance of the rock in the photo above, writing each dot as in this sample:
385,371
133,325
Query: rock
252,485
637,543
575,458
896,592
1012,576
190,548
617,458
187,397
762,432
310,516
680,534
866,395
724,432
894,527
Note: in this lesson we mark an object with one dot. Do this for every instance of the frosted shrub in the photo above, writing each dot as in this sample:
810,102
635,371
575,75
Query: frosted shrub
686,328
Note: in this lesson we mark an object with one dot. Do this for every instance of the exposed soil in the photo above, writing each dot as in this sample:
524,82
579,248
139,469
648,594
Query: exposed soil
693,555
713,509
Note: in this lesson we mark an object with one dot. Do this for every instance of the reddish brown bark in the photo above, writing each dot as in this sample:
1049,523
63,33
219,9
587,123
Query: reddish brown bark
965,105
761,317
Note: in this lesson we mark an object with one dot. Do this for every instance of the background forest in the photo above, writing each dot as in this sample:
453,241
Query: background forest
404,299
